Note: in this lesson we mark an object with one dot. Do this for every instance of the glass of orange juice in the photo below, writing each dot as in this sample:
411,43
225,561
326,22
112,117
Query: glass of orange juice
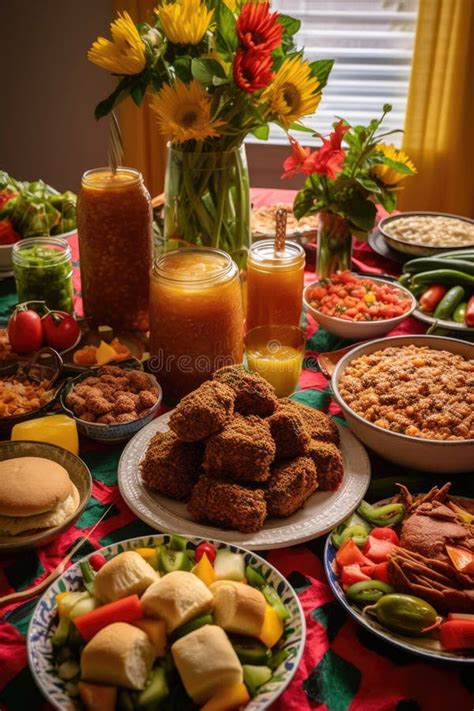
276,353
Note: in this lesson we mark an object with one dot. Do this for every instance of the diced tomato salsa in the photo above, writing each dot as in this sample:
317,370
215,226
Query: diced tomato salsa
352,298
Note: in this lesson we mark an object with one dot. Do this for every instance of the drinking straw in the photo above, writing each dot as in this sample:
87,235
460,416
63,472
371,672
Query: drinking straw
280,231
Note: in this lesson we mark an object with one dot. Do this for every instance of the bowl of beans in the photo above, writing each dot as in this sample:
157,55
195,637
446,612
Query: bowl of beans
411,400
358,307
423,233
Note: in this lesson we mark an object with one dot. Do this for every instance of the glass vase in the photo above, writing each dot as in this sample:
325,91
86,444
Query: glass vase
334,244
207,201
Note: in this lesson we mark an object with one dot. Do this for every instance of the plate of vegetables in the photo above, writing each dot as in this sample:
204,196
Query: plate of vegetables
444,287
183,623
404,569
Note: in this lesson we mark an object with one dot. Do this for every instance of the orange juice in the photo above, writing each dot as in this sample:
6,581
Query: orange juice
276,353
274,284
196,318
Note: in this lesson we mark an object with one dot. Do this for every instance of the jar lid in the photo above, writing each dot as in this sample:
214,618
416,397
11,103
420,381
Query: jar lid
195,266
41,252
263,253
106,179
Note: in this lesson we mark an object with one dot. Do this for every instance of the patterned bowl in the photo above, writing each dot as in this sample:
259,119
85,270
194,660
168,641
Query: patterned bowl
80,477
44,620
109,433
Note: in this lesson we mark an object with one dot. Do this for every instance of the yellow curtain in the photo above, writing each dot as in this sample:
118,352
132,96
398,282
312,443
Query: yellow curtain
439,126
145,148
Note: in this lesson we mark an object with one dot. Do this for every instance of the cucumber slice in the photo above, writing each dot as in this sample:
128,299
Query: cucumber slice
254,578
190,626
71,599
156,690
173,560
82,607
255,677
229,566
277,658
273,599
250,651
59,638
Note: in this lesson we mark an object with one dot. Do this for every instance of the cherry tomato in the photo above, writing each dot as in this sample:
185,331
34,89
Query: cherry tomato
61,330
206,548
24,331
385,534
97,560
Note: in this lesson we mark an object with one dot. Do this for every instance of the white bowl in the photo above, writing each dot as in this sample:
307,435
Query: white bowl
6,263
359,330
428,455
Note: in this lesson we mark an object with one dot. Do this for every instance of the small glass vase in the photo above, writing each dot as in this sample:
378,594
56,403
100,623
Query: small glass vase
334,244
207,201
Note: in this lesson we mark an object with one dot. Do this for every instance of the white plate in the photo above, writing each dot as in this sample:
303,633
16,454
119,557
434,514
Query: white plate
320,514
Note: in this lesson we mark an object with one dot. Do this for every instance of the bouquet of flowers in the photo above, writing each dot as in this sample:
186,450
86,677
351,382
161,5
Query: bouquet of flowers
216,71
345,184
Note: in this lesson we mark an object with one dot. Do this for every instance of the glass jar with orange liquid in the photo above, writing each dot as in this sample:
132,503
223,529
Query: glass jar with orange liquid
274,287
114,220
196,318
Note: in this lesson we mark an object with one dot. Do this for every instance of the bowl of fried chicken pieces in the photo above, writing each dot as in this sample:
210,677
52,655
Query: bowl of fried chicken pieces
111,404
238,455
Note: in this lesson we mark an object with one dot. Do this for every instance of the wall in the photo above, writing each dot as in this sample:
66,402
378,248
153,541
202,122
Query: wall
49,89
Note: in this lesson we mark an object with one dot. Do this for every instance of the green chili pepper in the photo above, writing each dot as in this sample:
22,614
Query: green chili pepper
444,276
254,578
405,614
368,591
460,312
273,599
358,532
405,280
88,576
449,302
380,516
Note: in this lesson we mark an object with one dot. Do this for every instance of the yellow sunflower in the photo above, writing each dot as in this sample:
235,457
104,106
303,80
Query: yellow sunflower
125,54
183,112
386,174
184,21
293,92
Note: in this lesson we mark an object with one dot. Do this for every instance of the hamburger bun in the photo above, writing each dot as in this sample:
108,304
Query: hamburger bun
206,662
32,485
176,599
238,608
16,525
120,654
125,574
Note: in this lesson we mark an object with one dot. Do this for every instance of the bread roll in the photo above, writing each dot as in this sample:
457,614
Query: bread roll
238,608
119,654
177,598
206,661
32,485
15,525
125,574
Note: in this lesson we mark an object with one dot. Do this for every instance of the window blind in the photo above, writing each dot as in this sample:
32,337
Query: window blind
372,44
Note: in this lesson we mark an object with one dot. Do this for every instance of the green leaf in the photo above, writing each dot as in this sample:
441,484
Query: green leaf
399,167
137,94
261,132
368,184
182,68
304,203
291,24
360,212
388,200
299,127
124,87
226,34
321,69
204,70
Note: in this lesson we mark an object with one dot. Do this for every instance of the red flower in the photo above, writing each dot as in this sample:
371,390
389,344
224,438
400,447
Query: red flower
300,160
252,70
257,28
329,158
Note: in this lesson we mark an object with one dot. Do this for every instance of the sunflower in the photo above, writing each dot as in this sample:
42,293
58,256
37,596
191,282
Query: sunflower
183,112
184,21
293,92
125,54
385,173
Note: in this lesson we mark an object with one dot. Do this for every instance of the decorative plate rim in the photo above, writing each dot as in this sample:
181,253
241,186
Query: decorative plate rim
39,629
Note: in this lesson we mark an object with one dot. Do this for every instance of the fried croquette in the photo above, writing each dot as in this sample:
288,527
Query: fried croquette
228,505
329,464
319,425
288,431
253,395
171,467
203,412
291,483
98,405
242,451
125,402
112,370
139,380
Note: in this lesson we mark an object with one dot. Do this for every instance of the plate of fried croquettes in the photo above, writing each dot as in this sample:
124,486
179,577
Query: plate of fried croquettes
235,462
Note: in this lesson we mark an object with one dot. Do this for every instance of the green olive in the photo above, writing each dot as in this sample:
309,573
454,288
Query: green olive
405,614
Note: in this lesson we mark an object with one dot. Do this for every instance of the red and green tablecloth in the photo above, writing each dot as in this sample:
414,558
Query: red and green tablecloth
344,667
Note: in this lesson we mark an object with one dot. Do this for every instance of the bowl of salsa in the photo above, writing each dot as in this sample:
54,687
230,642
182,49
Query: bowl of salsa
357,307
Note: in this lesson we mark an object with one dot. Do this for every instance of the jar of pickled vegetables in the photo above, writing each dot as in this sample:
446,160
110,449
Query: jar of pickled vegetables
196,318
114,220
43,272
274,284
